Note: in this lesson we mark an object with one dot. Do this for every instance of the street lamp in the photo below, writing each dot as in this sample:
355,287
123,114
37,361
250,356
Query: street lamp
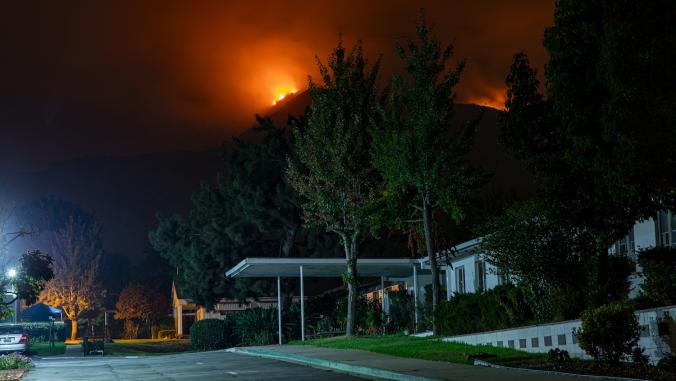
11,274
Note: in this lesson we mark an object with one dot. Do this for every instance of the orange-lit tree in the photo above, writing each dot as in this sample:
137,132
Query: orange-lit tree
139,304
330,167
74,238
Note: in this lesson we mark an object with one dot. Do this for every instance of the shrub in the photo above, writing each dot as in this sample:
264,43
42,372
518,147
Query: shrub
210,334
402,311
639,357
659,273
256,326
502,307
15,361
369,314
39,331
558,356
609,333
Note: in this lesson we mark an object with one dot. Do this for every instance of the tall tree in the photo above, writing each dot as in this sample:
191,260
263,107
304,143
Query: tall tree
602,142
330,167
73,236
248,208
261,195
415,148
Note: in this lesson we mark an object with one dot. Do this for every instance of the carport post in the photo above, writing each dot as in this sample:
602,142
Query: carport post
279,308
382,298
302,306
449,292
415,296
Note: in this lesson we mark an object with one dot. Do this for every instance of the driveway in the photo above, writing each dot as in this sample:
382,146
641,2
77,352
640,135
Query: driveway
184,367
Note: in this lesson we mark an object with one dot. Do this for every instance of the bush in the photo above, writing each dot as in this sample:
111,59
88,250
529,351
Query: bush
558,356
210,334
369,314
39,331
609,333
402,311
256,326
15,361
503,307
659,273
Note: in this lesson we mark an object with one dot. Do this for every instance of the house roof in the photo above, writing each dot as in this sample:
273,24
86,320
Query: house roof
322,267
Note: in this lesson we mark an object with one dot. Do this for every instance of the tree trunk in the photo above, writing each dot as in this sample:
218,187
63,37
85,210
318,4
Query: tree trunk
288,239
350,245
73,329
434,267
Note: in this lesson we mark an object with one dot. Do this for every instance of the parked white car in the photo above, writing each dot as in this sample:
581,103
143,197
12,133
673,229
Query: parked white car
13,338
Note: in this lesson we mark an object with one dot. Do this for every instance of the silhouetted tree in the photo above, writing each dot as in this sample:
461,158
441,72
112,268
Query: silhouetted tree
416,150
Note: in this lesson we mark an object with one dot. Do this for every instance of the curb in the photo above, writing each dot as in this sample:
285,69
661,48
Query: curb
553,372
328,364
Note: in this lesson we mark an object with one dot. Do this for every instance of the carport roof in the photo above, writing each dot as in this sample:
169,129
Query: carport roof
322,267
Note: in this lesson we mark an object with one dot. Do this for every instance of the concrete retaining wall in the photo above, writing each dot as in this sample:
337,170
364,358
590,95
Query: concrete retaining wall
542,338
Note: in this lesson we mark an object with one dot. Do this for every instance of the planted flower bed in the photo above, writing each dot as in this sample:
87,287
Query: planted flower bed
13,366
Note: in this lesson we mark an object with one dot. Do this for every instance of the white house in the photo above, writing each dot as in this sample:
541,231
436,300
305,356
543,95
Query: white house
468,271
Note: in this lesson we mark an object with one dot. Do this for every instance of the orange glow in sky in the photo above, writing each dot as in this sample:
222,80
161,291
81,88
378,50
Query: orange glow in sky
281,92
494,98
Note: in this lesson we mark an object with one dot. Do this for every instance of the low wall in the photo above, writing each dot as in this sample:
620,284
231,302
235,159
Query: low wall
543,337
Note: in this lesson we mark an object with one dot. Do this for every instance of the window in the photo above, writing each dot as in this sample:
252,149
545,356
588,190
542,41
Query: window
479,276
666,229
548,341
625,246
562,339
460,279
501,277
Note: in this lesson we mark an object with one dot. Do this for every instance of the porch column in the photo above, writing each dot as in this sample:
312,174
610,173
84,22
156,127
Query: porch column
179,320
279,309
415,297
302,306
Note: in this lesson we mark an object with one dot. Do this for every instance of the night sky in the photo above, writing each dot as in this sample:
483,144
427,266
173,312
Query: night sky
130,77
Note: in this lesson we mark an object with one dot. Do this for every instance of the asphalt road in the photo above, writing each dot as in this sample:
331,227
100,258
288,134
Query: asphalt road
181,367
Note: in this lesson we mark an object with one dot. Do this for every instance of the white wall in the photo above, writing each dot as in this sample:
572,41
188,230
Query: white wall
542,338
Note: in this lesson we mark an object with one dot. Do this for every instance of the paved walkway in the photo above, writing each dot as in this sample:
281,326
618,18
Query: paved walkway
414,369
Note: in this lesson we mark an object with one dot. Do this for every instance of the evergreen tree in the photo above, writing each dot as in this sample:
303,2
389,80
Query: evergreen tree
261,195
602,143
415,148
330,168
248,209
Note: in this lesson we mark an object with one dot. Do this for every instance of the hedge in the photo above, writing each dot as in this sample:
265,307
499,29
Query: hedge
502,307
210,334
38,332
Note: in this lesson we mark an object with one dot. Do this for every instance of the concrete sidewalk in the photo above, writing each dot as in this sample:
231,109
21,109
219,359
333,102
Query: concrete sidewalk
375,365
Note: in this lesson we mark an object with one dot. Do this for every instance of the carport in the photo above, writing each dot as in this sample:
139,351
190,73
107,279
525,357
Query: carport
324,268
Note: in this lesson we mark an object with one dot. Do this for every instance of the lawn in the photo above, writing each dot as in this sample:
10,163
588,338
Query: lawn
42,349
146,347
422,348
